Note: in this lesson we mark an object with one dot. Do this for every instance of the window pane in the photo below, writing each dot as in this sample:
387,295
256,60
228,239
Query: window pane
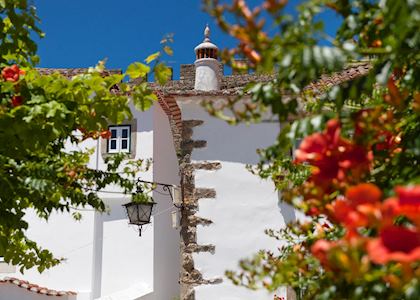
125,133
113,133
124,144
113,144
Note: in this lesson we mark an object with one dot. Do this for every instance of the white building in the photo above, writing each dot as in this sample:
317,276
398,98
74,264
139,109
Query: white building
225,208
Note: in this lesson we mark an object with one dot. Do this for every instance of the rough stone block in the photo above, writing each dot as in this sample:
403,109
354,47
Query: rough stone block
209,166
192,123
205,193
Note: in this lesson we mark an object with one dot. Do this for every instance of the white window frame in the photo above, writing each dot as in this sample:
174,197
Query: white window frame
119,139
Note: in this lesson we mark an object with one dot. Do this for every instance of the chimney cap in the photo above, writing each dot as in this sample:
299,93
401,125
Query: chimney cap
206,44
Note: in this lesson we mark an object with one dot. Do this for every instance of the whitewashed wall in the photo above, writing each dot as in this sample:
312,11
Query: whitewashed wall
166,238
244,205
105,257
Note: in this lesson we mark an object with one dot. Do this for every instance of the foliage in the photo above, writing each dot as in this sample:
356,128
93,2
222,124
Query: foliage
142,194
355,174
41,115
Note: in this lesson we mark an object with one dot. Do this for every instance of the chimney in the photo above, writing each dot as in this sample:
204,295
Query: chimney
207,68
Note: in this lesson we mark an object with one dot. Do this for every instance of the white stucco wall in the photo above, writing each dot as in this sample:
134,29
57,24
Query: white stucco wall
206,74
105,257
244,205
166,238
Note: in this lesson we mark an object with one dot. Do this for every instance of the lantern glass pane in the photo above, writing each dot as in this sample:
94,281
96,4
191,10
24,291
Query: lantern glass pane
132,213
144,213
139,213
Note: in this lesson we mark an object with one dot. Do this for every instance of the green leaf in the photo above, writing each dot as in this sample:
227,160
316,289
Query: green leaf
168,50
152,57
136,70
162,73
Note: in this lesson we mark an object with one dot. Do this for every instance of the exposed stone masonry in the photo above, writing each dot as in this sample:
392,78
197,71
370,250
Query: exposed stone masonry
232,85
190,276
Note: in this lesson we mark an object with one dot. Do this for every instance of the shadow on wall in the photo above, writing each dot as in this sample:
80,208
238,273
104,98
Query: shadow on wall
117,211
287,211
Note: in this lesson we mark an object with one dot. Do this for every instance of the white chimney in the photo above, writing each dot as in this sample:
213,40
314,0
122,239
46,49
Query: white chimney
206,65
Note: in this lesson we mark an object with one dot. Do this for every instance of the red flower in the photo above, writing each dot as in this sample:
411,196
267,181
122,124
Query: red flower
17,101
395,244
12,73
409,195
409,202
106,134
386,141
312,148
313,211
320,250
344,213
332,156
364,193
361,204
370,129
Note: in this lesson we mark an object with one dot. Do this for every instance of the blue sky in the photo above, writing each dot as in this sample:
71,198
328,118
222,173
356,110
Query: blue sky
81,32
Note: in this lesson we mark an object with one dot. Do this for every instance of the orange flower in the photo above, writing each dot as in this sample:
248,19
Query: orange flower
106,134
361,204
274,5
376,44
395,244
409,202
12,73
364,193
320,250
369,129
332,157
346,214
312,148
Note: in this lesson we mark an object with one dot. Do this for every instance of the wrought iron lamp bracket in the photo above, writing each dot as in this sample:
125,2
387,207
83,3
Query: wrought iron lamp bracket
166,188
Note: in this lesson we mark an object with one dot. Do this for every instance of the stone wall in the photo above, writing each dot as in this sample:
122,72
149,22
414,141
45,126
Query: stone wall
235,82
187,75
190,277
187,79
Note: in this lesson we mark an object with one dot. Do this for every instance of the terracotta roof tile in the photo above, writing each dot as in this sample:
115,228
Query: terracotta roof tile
34,287
231,85
235,87
70,72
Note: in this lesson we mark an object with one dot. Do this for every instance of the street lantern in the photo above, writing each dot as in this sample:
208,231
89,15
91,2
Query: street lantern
139,213
139,210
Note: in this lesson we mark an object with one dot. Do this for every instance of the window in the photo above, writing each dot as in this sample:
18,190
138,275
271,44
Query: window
120,139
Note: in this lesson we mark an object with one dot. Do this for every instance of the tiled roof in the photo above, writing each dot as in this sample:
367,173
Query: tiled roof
171,108
34,287
234,84
352,71
231,85
66,72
